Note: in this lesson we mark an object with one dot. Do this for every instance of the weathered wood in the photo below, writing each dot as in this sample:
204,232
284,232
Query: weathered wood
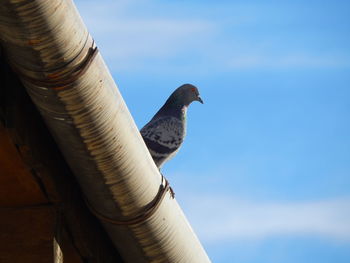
18,186
26,235
49,48
34,173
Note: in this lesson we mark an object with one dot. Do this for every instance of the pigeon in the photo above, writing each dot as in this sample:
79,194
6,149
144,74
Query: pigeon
165,132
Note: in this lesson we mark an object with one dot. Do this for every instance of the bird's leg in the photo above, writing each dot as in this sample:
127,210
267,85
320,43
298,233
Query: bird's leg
172,193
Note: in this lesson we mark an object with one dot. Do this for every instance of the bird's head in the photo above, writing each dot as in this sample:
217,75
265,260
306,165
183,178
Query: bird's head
186,94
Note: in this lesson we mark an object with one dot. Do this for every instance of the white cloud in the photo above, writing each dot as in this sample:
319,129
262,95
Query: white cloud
130,39
224,218
291,60
145,34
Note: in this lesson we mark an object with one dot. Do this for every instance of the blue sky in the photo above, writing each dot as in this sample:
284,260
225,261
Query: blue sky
264,173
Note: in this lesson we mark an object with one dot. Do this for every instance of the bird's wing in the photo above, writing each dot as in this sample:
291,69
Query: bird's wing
165,133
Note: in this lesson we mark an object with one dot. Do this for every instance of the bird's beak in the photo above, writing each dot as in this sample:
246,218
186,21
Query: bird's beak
200,99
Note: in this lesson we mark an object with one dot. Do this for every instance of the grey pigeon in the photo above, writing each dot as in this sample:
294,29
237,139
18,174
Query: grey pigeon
166,131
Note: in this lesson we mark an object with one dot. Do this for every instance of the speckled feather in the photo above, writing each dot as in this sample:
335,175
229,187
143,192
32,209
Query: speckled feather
164,137
166,131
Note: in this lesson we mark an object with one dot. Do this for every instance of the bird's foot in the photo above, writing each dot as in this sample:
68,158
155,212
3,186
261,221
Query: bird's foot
172,193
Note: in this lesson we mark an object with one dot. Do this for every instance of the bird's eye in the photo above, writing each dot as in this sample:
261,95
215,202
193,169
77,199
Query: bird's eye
193,89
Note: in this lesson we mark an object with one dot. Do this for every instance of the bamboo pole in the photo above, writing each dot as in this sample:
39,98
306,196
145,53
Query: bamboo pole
49,47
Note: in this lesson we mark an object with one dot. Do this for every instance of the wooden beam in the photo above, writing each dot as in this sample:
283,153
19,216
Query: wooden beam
51,50
37,187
